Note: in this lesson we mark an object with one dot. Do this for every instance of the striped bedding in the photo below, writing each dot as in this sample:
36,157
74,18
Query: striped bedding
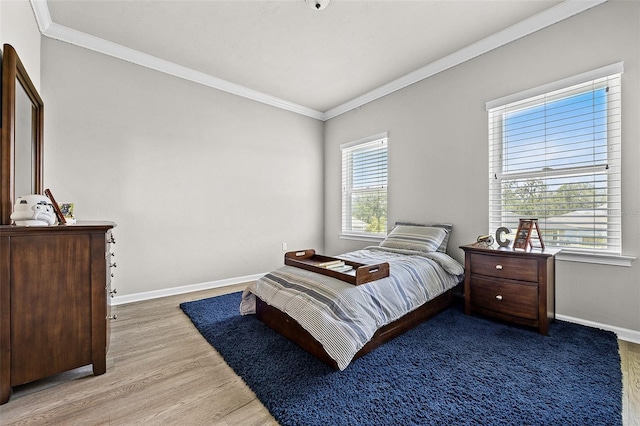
344,317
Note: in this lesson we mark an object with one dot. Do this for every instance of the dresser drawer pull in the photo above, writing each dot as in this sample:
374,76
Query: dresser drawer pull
499,267
113,292
499,297
113,317
113,265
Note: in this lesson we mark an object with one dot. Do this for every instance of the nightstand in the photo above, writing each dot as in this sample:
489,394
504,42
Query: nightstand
511,285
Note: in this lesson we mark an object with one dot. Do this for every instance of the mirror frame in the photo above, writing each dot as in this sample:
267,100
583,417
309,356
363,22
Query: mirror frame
13,72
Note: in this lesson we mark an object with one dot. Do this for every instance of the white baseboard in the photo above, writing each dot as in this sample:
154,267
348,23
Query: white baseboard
625,334
154,294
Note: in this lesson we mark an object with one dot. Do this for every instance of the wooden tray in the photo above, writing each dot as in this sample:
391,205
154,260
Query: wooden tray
360,274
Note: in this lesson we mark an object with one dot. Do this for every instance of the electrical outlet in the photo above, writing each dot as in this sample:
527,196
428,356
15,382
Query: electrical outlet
284,246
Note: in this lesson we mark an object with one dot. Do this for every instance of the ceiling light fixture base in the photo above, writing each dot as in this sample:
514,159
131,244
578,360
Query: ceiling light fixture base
317,4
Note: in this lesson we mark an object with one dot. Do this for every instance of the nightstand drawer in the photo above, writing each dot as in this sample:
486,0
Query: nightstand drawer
512,267
516,299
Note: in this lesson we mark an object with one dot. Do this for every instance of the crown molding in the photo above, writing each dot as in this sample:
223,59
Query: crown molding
555,14
43,17
548,17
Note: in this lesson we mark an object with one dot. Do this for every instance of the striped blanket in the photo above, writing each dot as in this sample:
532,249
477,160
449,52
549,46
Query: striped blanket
344,317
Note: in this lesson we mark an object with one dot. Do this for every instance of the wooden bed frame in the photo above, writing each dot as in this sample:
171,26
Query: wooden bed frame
289,328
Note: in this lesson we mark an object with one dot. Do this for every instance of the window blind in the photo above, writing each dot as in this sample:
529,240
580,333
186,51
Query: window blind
364,187
555,156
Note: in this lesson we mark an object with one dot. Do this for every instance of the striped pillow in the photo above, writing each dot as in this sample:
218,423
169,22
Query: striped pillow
448,227
417,238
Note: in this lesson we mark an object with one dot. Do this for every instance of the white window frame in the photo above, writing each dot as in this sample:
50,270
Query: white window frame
347,149
611,255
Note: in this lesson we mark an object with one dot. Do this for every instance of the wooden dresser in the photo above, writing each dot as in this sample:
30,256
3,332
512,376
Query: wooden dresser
54,300
511,285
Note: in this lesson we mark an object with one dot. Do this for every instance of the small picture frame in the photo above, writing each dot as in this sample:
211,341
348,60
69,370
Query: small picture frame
527,228
56,207
67,211
523,234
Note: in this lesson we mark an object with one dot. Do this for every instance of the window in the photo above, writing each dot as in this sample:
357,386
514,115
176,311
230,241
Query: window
364,187
554,154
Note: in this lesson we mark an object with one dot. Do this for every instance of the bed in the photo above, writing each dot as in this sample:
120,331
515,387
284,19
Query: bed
339,322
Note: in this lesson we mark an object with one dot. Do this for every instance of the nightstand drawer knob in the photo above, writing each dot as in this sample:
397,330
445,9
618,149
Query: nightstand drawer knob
499,297
499,267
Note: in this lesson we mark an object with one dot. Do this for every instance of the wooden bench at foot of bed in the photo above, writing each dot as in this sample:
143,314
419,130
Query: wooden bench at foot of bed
289,328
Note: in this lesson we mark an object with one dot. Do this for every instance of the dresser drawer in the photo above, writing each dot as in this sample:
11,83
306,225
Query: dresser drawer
506,297
511,267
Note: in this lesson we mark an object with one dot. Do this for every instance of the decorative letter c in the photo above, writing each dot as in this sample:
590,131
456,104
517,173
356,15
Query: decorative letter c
499,234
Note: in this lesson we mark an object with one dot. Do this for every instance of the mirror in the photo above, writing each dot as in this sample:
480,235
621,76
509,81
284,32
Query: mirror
22,128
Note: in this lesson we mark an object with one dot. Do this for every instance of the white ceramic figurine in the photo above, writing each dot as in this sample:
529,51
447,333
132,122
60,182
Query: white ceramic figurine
33,210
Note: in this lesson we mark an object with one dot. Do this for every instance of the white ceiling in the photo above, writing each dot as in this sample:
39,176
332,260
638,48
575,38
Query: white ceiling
284,49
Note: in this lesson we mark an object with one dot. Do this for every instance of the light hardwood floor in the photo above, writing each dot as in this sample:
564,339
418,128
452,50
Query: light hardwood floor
161,371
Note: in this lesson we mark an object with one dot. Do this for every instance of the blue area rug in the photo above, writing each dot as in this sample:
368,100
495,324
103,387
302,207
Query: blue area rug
454,369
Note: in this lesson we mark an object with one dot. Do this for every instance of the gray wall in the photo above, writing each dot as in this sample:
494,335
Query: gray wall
204,186
438,148
18,28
